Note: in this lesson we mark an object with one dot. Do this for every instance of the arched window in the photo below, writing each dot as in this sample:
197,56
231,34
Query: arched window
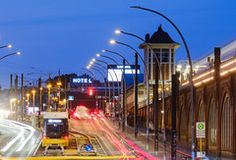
201,112
183,124
190,123
226,125
212,123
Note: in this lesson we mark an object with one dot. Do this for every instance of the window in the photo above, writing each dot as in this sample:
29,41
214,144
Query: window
165,55
226,125
212,123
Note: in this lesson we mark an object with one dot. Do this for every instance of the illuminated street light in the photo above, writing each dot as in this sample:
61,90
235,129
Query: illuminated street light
117,31
112,41
59,83
11,54
98,55
6,46
190,76
49,86
33,92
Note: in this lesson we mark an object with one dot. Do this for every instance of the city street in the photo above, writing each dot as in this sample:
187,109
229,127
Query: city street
112,143
17,139
118,79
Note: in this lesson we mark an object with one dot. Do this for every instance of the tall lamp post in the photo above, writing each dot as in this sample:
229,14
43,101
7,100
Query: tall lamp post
118,32
101,61
124,108
135,83
90,67
33,93
49,86
190,74
117,80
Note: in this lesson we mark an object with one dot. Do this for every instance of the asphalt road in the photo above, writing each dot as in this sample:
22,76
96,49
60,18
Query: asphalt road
110,141
17,139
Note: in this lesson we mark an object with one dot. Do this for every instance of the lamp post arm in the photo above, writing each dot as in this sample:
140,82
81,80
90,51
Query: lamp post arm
8,55
176,28
85,69
110,59
129,46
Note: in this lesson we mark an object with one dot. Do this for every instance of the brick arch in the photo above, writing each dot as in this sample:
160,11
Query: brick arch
178,112
200,109
183,123
226,122
211,124
189,121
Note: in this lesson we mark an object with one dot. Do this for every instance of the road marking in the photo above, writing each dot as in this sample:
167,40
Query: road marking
70,157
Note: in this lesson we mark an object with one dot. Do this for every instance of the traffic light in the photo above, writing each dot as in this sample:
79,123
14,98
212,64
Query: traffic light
90,92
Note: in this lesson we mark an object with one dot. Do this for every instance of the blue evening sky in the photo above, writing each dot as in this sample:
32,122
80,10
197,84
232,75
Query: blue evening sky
66,34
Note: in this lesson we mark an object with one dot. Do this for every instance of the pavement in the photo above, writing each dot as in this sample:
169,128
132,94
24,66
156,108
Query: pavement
183,152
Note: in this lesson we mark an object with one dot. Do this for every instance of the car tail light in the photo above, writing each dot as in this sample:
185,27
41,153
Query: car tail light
66,137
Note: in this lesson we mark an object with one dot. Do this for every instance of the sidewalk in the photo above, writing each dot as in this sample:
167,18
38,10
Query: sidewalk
183,152
141,142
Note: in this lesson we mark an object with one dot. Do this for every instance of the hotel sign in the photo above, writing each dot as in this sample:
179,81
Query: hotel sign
82,80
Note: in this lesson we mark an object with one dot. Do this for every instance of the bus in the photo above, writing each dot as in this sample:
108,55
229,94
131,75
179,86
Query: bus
55,129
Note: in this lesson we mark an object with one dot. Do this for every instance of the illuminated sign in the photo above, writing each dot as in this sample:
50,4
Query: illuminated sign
82,80
54,121
71,98
115,72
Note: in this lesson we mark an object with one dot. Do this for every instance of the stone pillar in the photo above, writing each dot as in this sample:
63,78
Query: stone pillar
232,92
217,62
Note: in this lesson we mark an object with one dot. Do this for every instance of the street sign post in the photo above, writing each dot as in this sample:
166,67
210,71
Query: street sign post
201,133
200,130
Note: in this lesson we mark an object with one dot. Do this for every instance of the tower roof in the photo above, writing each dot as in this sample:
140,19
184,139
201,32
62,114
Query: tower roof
159,36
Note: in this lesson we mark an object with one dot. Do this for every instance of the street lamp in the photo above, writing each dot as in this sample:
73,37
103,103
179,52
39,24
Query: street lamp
135,84
118,84
124,122
119,32
6,46
104,76
191,70
100,67
97,60
11,54
49,86
28,100
87,69
33,92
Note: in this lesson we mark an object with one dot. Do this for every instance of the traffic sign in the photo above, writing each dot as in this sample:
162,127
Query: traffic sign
88,148
200,130
201,154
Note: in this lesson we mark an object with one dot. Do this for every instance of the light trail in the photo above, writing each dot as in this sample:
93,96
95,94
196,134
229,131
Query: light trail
13,141
23,131
32,130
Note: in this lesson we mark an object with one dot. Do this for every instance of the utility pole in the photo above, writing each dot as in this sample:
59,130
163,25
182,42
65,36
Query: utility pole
136,97
40,89
123,99
16,96
175,97
22,96
155,104
11,90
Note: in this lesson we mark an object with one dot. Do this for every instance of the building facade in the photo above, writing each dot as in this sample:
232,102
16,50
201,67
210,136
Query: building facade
215,101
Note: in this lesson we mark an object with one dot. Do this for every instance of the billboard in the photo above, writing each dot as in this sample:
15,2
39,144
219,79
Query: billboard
115,71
